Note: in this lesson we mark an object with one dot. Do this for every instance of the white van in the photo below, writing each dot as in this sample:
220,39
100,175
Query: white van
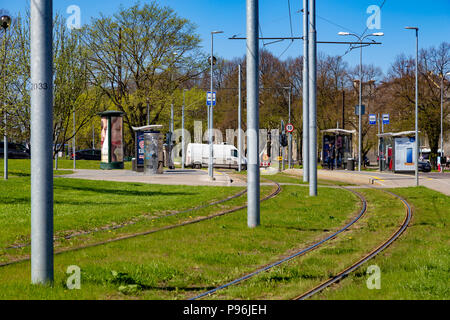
225,156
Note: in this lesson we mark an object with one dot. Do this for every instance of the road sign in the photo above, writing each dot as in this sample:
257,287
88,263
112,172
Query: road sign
280,158
289,127
363,110
386,118
208,98
372,119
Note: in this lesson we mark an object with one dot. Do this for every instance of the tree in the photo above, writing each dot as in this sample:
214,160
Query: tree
140,56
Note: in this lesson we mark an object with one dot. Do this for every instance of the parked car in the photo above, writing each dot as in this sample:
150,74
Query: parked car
15,151
424,166
87,154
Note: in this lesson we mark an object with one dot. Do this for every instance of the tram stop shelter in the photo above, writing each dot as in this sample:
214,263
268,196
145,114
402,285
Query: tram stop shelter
149,150
111,140
396,151
341,143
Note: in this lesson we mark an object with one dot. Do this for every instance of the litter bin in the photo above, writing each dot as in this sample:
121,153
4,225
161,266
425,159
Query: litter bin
350,164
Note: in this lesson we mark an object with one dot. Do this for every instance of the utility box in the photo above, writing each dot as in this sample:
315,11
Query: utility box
111,140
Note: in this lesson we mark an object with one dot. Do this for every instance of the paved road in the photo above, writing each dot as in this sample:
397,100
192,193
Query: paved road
171,177
433,180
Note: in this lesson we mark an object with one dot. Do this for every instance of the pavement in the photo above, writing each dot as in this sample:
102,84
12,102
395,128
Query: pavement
437,181
170,177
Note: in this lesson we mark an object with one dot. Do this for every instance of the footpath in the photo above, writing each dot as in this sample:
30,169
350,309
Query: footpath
437,181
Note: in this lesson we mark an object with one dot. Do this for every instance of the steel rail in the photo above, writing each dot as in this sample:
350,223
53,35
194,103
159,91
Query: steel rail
144,233
366,258
130,223
297,254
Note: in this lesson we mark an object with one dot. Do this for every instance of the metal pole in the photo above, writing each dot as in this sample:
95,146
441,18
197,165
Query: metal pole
305,157
417,109
171,118
312,100
182,130
239,119
73,142
41,20
290,133
5,137
360,107
211,164
148,113
442,111
253,178
93,137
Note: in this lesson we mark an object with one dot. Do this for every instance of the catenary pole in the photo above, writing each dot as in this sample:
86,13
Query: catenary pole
5,25
253,178
290,133
239,117
182,130
416,155
41,20
417,109
312,100
74,142
305,158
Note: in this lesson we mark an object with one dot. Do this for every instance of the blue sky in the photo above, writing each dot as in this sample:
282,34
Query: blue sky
432,17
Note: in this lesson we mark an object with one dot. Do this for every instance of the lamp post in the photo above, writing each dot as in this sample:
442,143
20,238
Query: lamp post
416,29
211,154
442,115
5,22
182,130
290,133
360,39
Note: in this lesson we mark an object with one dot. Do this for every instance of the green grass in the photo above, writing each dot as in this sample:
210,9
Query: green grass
83,205
291,279
22,167
417,266
182,262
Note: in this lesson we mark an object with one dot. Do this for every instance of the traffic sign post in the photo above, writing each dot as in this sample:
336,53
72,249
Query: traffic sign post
210,97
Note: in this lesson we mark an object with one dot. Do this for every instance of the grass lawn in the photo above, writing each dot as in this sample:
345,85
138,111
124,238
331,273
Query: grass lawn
417,266
182,262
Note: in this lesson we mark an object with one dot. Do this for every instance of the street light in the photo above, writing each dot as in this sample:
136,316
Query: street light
211,61
360,39
417,103
5,22
183,157
442,117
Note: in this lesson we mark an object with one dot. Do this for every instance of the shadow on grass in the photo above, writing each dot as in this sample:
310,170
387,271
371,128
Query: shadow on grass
122,192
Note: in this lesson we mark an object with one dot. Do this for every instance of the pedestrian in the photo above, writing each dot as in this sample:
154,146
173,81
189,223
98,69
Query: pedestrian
331,156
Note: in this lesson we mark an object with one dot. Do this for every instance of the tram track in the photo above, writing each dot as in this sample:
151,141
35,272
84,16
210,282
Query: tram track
277,190
299,253
367,257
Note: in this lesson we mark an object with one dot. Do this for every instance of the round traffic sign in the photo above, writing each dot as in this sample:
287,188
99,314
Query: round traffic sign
289,127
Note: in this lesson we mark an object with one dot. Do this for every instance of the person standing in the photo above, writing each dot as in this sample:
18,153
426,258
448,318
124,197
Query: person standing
331,156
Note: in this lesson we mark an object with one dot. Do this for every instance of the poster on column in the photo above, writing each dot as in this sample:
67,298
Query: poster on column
104,140
405,149
116,139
